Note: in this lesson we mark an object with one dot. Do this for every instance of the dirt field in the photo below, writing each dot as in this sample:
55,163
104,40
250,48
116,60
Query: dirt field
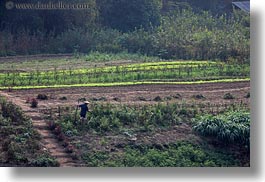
129,95
142,94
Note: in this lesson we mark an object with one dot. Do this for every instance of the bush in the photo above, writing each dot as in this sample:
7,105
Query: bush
228,96
44,161
177,96
34,103
179,154
63,98
209,37
42,97
199,96
158,99
230,128
117,99
127,16
248,95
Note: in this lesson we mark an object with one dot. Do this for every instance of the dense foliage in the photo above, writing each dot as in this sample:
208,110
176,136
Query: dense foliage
127,15
110,122
19,141
180,154
105,118
230,128
183,33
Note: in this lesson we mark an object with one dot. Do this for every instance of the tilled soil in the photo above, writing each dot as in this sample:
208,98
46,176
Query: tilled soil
142,94
213,93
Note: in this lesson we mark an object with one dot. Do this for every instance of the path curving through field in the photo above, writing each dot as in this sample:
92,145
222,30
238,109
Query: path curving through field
213,92
48,139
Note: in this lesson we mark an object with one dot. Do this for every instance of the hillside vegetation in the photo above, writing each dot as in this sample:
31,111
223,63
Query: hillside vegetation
167,29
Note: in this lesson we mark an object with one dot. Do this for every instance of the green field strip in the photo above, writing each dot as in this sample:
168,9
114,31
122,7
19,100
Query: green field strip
127,84
131,67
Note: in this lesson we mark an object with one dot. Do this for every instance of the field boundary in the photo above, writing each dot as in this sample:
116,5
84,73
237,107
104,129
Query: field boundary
127,84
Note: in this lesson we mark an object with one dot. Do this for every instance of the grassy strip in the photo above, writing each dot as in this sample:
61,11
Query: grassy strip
130,67
126,84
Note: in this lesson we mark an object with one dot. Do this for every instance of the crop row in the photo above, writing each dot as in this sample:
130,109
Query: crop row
154,72
127,68
126,84
129,121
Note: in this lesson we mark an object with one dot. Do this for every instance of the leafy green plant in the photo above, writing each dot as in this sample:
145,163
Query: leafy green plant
44,160
20,142
232,127
179,154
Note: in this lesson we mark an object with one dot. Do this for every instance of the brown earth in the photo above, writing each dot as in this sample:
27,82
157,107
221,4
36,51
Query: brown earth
48,139
213,94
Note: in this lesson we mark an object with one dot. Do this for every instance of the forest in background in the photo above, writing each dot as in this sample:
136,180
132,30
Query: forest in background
169,29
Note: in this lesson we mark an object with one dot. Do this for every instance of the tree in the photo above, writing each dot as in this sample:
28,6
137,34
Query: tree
55,21
128,15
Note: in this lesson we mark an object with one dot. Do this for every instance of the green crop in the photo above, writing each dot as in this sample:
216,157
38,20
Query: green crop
232,127
127,84
175,72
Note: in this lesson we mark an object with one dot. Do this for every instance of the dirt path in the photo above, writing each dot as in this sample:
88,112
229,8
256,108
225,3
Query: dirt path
213,92
48,139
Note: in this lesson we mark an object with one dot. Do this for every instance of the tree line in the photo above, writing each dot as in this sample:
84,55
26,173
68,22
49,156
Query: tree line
184,29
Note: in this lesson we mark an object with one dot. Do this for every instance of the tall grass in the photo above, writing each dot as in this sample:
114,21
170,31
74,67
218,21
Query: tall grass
230,128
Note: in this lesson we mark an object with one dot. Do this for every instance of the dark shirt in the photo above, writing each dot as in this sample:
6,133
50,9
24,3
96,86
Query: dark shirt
84,110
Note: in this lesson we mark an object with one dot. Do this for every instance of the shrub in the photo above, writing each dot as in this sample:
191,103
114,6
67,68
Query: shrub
232,127
63,98
44,161
248,95
34,103
199,96
42,97
228,96
158,99
177,96
117,99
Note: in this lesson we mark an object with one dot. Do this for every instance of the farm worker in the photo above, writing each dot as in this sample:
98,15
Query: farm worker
84,110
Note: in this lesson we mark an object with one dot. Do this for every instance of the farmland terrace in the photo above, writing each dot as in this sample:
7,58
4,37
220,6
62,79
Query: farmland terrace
202,87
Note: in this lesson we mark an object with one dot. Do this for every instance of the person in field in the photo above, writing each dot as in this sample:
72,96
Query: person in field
84,110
